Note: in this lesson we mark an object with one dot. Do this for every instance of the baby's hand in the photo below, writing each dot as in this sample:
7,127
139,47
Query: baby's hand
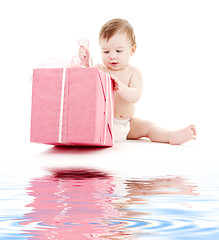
117,84
83,54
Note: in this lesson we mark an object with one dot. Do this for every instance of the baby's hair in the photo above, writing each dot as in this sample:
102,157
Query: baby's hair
118,25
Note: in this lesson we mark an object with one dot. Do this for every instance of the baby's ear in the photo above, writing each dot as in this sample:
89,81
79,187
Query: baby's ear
133,49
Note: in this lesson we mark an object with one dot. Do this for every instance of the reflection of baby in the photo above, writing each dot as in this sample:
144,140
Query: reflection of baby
160,186
139,190
117,43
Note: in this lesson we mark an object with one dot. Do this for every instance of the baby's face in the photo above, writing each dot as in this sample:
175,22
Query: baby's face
116,52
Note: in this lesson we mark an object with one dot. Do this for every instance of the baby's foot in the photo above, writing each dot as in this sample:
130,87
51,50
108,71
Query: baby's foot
183,135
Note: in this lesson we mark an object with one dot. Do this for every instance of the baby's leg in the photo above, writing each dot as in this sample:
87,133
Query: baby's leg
141,128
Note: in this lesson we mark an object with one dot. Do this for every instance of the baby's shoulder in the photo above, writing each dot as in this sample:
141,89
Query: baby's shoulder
136,77
135,73
134,69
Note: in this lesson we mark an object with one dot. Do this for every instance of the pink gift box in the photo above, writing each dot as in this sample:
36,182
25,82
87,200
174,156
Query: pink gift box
72,106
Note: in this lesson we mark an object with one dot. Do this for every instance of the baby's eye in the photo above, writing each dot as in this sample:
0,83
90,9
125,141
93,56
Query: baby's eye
119,51
106,51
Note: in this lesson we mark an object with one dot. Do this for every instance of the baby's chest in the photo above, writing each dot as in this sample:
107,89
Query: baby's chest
123,77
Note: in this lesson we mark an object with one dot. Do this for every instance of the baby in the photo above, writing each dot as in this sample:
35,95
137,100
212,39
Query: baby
117,44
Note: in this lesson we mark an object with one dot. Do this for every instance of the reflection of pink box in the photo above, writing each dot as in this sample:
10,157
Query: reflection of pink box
72,106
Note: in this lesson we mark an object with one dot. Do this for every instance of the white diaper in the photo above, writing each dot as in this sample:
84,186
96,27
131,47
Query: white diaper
121,128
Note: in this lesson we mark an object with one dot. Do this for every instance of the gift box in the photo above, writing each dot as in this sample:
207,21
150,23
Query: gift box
72,106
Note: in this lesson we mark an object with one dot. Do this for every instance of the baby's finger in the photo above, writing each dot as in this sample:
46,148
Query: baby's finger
82,54
114,79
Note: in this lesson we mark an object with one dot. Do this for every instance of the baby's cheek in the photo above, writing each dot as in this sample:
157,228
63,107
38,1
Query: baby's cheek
104,61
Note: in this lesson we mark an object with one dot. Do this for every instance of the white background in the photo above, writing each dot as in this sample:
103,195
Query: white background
177,52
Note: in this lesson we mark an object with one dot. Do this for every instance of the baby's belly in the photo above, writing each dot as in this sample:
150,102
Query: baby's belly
125,110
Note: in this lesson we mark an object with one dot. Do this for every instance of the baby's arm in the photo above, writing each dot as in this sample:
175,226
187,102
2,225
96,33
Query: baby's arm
132,92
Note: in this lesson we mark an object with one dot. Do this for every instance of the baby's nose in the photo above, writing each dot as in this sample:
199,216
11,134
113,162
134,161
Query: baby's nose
113,56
